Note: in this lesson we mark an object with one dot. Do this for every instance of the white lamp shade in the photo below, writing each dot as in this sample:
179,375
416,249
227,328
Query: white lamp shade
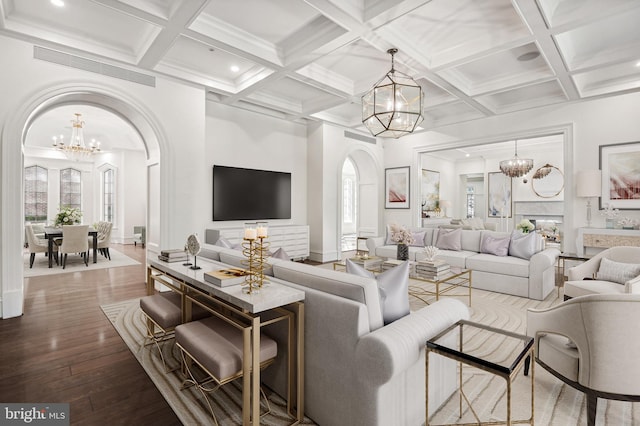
445,204
589,183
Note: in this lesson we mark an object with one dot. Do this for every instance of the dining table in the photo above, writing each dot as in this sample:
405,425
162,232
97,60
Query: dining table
50,233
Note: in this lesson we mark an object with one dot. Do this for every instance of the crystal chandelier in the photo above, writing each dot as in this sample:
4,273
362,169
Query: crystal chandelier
393,106
76,148
516,166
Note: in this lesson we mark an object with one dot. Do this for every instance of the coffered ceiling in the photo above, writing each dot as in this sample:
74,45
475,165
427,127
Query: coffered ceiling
313,59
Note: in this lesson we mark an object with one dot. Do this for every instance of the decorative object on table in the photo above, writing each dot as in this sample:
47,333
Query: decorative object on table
186,253
67,216
588,186
610,215
431,252
172,255
193,248
516,167
620,165
226,277
393,106
525,226
627,223
256,250
397,186
499,200
401,236
430,190
443,206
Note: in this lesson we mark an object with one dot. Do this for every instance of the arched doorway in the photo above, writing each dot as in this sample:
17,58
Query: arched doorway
359,199
13,139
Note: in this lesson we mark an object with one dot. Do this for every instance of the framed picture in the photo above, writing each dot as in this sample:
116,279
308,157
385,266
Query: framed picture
397,188
620,165
430,190
499,199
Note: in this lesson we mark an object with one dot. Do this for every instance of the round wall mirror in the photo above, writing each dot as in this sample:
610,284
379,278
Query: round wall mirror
547,181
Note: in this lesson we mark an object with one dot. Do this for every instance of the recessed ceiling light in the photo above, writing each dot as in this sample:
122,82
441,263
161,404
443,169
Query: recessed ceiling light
528,56
235,68
58,3
638,64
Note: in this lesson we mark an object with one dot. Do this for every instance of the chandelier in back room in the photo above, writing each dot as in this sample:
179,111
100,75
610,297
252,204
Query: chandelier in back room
516,166
76,149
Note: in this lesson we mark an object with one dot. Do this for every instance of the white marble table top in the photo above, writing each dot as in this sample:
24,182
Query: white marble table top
272,295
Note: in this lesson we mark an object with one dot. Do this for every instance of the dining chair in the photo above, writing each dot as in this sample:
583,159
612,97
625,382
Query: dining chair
37,245
104,238
74,240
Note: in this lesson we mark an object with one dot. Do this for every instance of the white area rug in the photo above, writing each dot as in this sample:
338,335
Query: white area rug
75,263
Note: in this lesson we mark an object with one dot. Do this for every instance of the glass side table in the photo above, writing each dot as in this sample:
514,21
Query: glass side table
452,343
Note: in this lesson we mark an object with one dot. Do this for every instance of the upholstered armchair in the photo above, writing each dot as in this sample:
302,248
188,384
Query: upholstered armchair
139,235
614,270
591,343
37,245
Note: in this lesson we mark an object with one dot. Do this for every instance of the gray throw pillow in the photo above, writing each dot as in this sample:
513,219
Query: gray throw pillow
280,254
523,245
617,272
418,238
449,239
498,246
223,242
393,287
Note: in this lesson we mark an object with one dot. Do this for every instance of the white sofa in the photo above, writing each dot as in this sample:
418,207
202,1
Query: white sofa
533,278
358,371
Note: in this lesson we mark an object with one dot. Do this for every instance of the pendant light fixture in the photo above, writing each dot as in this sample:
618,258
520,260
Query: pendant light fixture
393,106
516,167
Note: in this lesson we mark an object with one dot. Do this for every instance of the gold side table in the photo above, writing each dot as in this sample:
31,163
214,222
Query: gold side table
455,343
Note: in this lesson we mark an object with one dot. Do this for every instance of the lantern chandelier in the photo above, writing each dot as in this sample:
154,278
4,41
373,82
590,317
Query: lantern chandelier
76,148
393,106
516,166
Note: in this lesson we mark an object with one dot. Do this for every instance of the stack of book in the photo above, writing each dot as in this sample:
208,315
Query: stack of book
173,255
392,263
432,269
368,262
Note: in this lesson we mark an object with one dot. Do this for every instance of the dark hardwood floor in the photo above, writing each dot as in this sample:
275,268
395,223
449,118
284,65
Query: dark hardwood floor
64,349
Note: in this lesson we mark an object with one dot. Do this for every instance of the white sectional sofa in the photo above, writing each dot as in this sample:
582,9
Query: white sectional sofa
533,278
357,370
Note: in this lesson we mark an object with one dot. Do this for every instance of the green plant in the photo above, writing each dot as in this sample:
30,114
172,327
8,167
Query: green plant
68,216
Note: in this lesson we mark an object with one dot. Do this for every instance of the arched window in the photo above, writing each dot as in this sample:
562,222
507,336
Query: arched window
349,207
36,193
71,188
108,195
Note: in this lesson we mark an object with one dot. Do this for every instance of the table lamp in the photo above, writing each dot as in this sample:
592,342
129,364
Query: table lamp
444,205
589,184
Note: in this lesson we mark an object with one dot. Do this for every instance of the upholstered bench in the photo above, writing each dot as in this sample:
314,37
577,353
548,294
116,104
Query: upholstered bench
216,346
163,311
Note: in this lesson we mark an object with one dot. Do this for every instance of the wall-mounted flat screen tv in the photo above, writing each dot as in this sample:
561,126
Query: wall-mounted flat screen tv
249,194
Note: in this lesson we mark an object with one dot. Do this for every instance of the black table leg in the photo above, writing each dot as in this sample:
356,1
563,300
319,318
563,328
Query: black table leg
50,251
95,248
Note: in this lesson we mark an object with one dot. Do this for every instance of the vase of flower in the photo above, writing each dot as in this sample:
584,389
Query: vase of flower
67,216
403,252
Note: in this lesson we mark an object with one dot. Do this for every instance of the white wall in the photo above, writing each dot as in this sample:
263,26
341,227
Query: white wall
586,125
240,138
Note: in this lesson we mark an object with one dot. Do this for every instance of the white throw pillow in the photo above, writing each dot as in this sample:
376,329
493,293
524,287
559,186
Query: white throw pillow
223,242
523,245
393,287
617,272
449,239
280,254
498,246
418,238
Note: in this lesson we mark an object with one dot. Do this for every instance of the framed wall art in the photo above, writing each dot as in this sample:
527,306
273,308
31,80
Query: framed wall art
620,166
499,200
397,186
430,190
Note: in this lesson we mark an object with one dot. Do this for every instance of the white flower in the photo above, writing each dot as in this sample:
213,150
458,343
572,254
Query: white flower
609,212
